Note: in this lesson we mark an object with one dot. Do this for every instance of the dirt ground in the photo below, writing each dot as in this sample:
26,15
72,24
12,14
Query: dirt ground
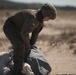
57,41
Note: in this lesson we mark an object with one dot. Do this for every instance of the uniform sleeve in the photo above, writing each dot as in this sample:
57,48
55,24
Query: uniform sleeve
25,34
35,34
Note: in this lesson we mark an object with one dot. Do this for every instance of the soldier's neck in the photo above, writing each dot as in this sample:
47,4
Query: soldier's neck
39,16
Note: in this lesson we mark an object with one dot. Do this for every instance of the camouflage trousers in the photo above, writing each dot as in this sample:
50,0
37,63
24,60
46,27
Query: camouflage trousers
14,36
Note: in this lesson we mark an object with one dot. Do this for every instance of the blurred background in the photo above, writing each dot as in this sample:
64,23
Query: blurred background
58,38
35,4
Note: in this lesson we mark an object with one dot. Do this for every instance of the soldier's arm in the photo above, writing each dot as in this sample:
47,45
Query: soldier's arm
35,34
25,34
25,38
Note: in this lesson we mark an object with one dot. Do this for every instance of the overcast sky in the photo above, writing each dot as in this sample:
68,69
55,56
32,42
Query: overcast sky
55,2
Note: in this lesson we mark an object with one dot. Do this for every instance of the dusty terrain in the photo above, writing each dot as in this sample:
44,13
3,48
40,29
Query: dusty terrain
57,41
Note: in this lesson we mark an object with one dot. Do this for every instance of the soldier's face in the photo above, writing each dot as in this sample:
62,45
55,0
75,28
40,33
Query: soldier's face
46,19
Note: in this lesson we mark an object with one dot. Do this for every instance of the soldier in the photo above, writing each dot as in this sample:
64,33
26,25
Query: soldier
18,27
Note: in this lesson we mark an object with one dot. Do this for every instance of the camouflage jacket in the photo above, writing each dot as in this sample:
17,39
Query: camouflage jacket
27,22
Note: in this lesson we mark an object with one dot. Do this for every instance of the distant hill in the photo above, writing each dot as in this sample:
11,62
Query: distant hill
4,4
66,8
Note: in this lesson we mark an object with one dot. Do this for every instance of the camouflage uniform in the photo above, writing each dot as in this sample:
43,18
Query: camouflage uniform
17,29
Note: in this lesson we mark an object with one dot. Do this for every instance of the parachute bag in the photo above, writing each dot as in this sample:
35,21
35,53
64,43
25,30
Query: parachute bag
38,63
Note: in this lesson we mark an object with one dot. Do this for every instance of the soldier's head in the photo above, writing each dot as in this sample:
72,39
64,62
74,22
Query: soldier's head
48,12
